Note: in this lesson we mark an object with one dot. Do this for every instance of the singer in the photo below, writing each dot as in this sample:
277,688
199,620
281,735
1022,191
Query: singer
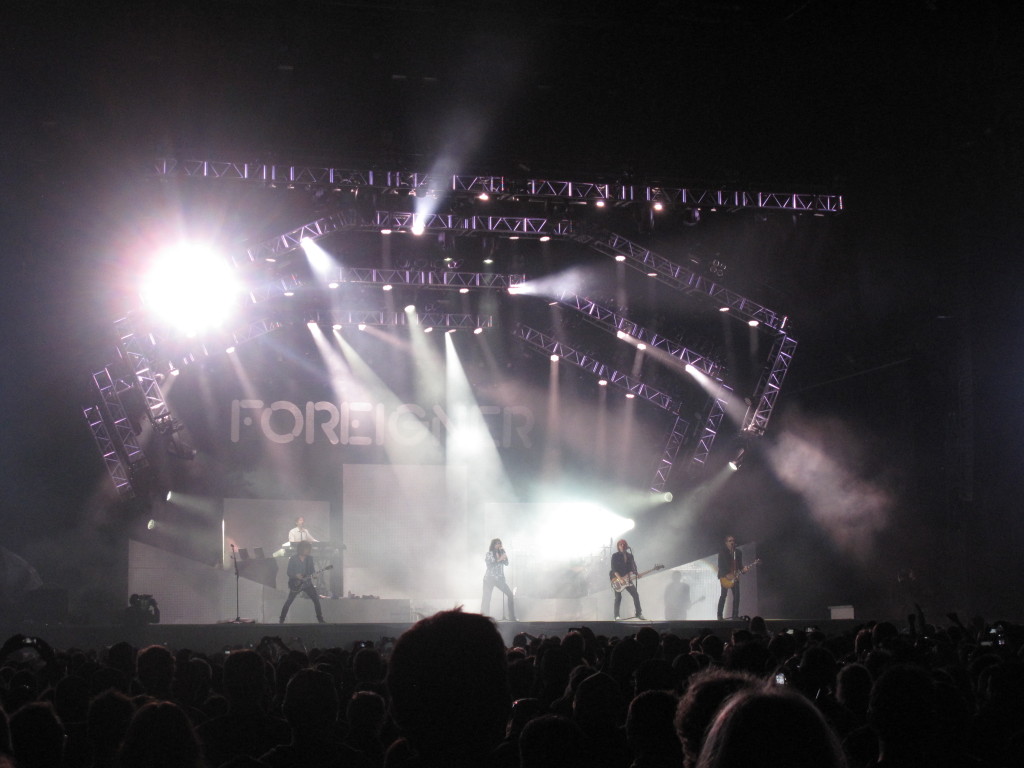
494,576
624,567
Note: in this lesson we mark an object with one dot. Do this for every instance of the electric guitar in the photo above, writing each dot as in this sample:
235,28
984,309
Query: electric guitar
619,583
295,584
730,579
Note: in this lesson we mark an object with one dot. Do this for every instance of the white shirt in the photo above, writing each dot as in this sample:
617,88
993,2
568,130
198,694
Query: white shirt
300,534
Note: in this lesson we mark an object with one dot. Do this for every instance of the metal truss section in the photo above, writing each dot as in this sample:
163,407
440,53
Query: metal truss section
709,432
406,221
733,199
268,291
499,186
676,440
108,450
621,380
682,279
535,226
767,392
374,317
430,279
290,241
609,320
115,414
132,349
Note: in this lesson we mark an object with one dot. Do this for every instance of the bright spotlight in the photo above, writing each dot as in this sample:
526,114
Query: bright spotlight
753,323
190,287
410,308
737,461
667,496
620,257
333,284
417,227
478,331
463,290
602,382
450,330
483,196
658,206
336,326
652,274
361,326
488,261
599,203
386,287
641,346
630,395
620,335
385,231
169,496
230,350
151,525
545,238
554,358
429,329
723,309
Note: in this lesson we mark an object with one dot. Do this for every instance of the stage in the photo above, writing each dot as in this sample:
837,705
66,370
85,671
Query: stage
221,637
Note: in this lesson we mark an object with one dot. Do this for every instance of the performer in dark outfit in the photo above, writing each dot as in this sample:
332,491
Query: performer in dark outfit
300,572
624,567
494,576
730,561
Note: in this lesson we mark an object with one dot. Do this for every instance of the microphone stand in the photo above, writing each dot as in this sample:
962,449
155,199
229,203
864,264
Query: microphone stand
238,612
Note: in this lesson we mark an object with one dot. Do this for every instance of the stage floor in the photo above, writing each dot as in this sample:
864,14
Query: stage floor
220,637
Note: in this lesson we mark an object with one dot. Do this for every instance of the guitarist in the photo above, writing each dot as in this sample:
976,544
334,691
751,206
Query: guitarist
624,566
300,579
730,565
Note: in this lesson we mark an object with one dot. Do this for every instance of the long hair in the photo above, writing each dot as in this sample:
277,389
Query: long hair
493,542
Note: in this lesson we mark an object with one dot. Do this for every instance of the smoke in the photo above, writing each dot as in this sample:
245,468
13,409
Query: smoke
834,470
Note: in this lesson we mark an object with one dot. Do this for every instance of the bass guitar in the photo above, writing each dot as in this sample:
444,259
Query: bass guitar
619,583
296,584
730,579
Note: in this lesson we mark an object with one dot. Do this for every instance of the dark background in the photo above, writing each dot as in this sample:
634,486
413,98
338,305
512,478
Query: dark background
906,304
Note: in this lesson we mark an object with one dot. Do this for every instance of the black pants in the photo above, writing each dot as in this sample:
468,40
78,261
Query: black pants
735,600
485,603
636,600
310,591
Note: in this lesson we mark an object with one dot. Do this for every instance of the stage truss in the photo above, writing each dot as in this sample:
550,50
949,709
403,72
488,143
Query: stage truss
130,399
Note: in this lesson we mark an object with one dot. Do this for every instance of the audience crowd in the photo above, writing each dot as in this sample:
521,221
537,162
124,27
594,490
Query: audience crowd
450,693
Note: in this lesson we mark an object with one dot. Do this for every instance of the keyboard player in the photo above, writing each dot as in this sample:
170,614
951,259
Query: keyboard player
300,532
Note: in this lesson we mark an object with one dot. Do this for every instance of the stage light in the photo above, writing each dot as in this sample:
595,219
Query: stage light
429,329
410,308
641,346
361,326
753,323
488,261
599,203
619,257
385,231
630,395
463,290
723,309
386,287
333,284
289,293
478,331
483,196
190,287
450,330
658,206
652,274
602,382
737,461
230,350
545,238
336,326
554,358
